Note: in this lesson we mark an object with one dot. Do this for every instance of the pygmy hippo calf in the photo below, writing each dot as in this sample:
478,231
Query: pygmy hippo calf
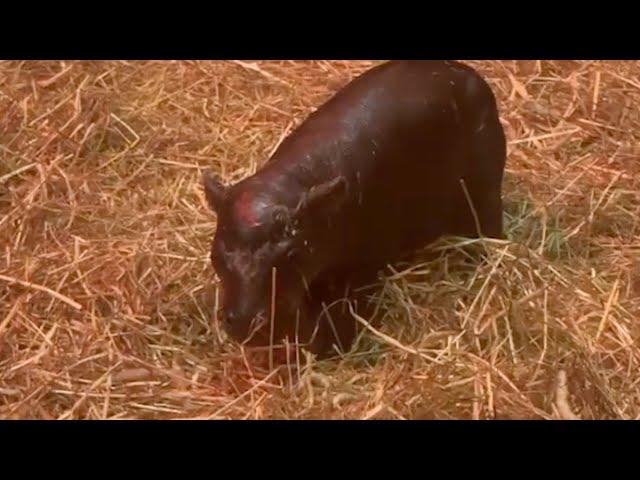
406,153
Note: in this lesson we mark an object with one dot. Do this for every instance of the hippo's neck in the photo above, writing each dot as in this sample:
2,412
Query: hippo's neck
295,169
274,185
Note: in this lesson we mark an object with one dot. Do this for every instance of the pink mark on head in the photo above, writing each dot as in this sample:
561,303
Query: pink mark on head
245,209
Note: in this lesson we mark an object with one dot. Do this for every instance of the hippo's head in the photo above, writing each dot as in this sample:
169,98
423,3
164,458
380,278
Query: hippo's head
269,245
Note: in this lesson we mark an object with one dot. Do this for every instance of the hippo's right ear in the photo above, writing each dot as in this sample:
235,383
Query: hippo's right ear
327,197
214,191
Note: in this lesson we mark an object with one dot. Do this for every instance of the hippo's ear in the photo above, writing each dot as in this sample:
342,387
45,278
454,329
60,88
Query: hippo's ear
327,196
214,190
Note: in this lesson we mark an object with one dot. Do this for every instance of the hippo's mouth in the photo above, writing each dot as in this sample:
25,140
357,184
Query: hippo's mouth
267,332
259,332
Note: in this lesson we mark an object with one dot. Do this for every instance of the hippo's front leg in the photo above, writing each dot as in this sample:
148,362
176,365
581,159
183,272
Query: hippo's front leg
330,315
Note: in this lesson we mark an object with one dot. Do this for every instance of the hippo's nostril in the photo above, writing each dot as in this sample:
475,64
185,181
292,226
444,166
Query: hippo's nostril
227,321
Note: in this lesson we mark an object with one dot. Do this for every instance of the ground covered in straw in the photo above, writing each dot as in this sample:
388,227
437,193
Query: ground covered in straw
106,288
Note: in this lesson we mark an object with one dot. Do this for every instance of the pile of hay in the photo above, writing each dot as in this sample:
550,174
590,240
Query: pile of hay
106,289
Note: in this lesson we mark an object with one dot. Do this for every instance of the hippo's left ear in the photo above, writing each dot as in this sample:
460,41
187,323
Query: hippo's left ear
328,196
214,190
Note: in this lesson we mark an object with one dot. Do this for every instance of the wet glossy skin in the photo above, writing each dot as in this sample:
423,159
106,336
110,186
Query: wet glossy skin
370,176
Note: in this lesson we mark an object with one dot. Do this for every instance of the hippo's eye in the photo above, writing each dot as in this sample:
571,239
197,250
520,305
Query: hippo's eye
280,216
281,220
292,254
292,230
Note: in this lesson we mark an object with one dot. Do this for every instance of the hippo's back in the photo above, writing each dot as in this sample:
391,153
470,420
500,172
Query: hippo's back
403,134
392,114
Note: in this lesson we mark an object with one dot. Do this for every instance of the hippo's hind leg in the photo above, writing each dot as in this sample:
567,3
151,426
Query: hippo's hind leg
479,213
489,212
484,183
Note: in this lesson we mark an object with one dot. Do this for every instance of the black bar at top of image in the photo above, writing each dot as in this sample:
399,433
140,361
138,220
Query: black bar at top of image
212,34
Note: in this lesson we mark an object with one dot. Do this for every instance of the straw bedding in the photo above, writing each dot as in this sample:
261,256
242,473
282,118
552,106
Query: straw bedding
106,290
